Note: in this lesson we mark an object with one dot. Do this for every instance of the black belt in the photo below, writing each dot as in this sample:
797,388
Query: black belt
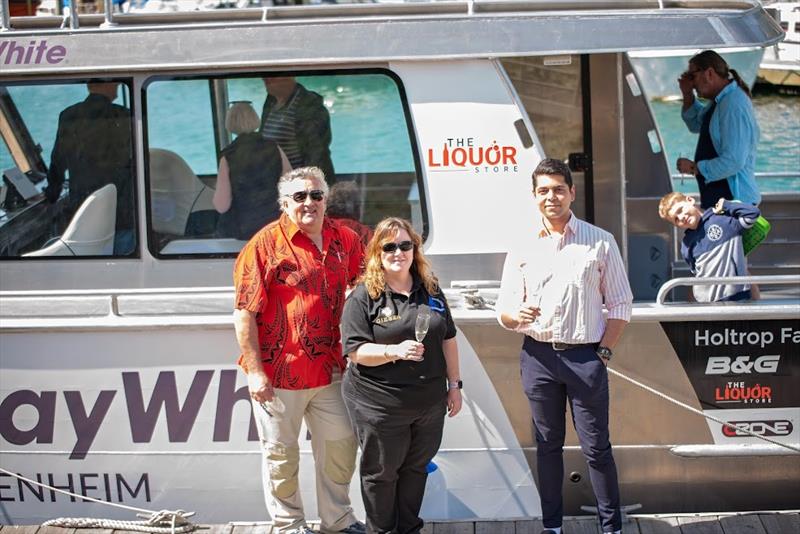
559,346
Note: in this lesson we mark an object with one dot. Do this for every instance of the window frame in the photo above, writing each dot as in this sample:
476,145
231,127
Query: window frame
128,81
212,76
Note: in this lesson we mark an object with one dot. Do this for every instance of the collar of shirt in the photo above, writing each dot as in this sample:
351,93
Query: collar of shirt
570,228
290,230
732,86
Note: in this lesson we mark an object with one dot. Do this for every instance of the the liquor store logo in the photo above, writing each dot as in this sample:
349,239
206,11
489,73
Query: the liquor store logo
780,427
724,365
468,154
741,393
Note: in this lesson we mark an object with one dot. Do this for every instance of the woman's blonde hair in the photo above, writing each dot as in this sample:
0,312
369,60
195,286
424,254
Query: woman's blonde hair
242,118
385,232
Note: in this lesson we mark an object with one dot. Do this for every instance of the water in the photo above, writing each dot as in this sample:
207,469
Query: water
778,150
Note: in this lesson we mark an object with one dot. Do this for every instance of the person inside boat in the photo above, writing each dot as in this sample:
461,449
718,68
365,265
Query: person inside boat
290,281
403,375
553,290
712,242
343,207
724,160
93,147
298,121
246,193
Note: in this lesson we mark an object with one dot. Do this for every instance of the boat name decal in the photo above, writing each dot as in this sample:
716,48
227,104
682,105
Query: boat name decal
142,415
32,53
463,153
111,487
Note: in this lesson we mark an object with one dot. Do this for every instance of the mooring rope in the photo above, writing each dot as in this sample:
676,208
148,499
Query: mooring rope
161,522
701,413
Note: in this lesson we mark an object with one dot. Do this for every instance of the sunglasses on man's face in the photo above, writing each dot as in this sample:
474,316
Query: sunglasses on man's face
301,196
405,246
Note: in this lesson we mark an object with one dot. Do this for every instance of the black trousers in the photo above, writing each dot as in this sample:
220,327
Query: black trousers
550,379
397,443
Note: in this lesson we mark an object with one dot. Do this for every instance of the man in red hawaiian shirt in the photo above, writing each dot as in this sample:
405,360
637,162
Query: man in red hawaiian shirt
290,283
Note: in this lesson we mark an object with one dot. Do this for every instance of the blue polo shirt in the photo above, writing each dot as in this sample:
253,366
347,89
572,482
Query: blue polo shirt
715,248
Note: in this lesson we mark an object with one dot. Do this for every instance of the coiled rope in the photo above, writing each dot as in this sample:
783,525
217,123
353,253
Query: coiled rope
161,522
698,412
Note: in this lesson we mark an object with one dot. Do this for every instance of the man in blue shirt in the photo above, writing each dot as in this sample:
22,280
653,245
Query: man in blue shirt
712,244
724,161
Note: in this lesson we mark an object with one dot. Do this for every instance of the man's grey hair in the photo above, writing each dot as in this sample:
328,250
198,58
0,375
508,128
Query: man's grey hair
300,173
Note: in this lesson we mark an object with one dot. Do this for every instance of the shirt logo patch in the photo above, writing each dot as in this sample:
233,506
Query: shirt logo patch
435,304
714,232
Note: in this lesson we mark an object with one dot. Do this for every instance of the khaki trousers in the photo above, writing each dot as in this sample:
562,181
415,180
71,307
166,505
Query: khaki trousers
333,445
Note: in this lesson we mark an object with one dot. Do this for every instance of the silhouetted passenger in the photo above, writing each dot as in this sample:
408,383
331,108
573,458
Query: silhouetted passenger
298,121
343,207
247,192
93,148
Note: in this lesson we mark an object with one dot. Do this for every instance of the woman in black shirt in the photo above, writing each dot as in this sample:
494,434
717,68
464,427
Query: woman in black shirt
397,389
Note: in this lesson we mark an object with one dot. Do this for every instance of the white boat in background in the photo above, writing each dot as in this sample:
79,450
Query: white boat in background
781,63
658,70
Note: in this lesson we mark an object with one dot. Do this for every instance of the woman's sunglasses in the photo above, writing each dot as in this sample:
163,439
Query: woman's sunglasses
301,196
405,246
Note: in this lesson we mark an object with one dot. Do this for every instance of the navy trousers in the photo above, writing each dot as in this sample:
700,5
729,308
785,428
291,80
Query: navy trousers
549,379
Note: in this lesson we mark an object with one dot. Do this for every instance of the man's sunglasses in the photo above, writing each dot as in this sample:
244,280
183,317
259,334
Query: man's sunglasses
301,196
405,246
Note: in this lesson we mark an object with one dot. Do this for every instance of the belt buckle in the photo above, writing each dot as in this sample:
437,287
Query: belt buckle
559,346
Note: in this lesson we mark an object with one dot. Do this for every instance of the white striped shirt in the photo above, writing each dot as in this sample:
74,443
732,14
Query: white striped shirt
568,277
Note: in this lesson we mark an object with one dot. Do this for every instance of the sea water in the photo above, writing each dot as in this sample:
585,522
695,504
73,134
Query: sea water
778,149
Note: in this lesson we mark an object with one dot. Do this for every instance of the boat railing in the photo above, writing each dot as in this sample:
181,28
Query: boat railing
761,175
360,10
787,280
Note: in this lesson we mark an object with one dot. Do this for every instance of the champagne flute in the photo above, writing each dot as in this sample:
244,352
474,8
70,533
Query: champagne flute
422,324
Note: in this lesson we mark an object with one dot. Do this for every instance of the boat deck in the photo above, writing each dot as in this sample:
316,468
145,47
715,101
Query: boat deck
744,523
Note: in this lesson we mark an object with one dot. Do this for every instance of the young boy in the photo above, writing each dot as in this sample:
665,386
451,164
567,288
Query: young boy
712,242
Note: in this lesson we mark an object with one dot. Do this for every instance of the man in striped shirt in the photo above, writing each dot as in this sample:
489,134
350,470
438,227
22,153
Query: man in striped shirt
298,121
553,290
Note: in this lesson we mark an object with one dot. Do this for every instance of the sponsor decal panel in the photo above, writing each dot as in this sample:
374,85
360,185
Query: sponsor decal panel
741,365
472,154
778,427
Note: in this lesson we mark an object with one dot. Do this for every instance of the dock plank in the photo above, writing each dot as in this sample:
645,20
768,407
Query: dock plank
495,527
534,526
20,529
427,528
454,528
705,524
781,523
227,528
580,525
658,525
252,529
742,524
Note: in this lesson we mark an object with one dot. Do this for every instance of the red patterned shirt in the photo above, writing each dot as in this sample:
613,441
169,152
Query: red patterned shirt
297,293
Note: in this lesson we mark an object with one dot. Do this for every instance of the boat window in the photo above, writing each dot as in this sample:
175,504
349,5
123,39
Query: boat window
216,147
68,185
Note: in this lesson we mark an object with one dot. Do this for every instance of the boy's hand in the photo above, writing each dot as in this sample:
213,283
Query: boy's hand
718,208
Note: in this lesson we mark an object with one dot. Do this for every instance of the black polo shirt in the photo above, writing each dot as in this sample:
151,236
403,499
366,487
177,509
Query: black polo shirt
389,320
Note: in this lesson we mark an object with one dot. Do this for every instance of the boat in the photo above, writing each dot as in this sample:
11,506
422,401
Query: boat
659,70
118,375
780,67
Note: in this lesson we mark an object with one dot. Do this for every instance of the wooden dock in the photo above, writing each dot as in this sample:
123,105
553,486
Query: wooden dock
744,523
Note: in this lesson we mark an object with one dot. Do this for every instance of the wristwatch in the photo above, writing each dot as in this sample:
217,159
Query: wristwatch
456,384
604,352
